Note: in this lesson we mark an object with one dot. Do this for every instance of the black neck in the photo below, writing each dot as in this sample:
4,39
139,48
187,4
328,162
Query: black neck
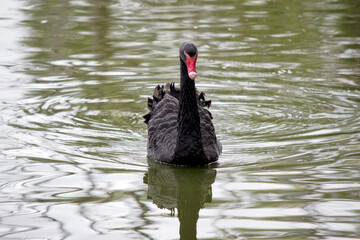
189,136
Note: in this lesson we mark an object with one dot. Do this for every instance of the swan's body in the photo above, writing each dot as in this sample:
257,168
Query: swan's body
180,130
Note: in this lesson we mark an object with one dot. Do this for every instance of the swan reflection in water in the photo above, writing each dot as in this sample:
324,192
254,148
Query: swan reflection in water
183,188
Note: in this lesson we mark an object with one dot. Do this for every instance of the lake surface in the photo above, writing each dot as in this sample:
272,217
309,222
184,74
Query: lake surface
284,80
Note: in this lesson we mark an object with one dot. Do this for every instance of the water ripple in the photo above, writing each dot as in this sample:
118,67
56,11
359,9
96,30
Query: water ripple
283,78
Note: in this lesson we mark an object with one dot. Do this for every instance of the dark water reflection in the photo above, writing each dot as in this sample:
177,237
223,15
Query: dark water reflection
184,189
284,80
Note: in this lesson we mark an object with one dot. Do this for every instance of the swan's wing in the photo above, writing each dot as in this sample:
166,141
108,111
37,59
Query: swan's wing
212,146
162,124
162,129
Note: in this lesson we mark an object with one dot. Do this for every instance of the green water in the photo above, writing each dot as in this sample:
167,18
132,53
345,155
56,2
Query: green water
284,80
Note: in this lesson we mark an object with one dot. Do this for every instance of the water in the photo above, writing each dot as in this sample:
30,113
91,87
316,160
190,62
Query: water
284,80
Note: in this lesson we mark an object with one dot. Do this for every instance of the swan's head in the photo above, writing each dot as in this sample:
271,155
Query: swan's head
188,54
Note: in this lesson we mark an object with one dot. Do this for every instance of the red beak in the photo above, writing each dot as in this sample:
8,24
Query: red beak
191,65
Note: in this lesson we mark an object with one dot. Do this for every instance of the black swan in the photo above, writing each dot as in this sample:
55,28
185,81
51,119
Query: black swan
180,130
